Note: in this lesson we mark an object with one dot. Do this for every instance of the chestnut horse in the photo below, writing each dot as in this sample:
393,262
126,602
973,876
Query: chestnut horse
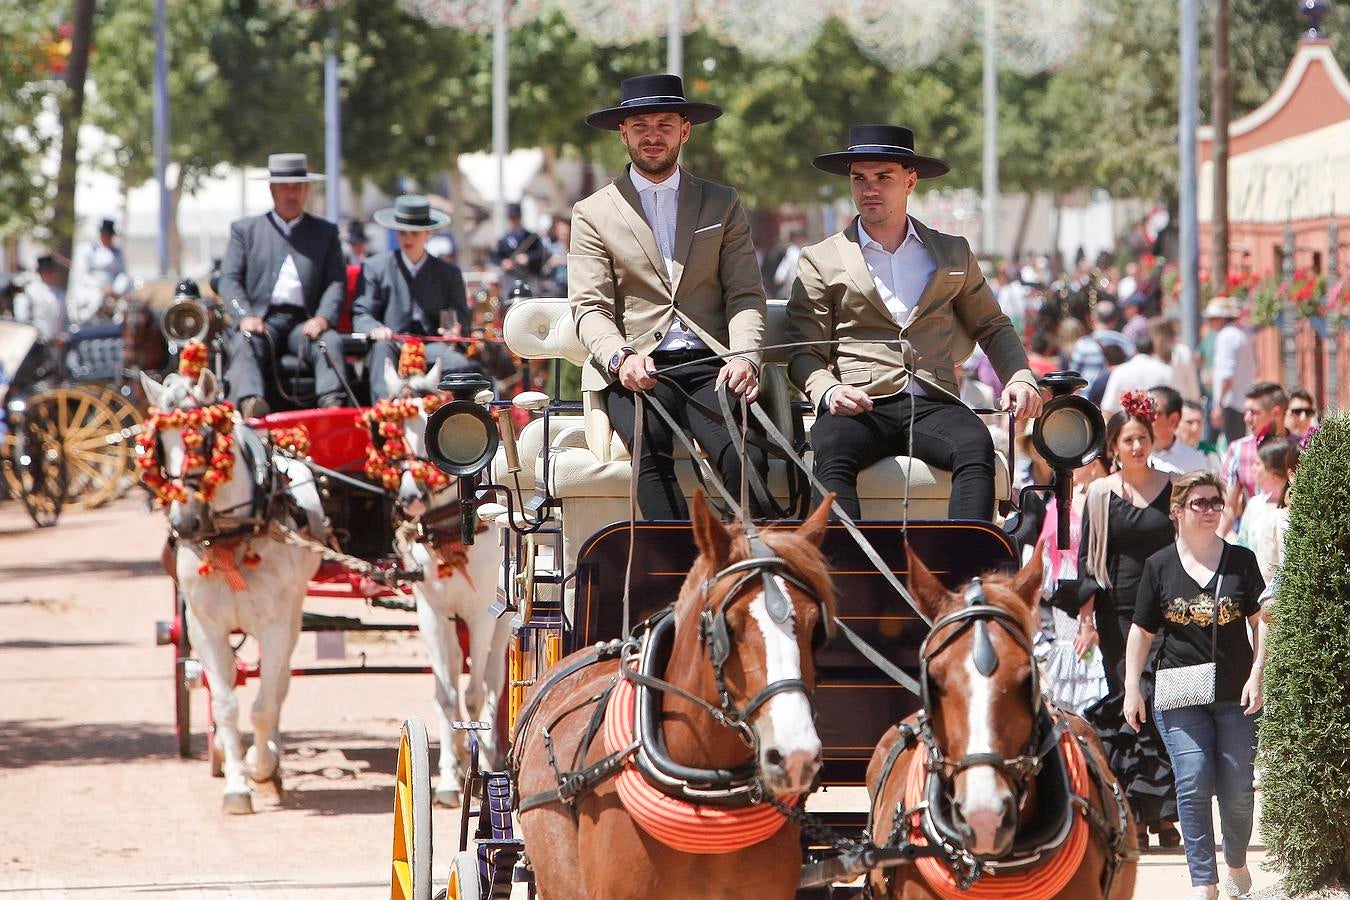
988,769
744,649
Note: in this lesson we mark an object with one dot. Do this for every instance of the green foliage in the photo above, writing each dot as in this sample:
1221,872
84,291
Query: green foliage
1305,730
27,32
240,77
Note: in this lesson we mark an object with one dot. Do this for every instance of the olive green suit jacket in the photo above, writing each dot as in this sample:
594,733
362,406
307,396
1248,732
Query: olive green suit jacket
620,292
834,299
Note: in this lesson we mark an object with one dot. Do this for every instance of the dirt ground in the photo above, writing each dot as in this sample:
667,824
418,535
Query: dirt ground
97,804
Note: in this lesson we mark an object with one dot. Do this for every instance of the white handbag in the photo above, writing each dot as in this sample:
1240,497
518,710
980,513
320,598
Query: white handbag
1192,685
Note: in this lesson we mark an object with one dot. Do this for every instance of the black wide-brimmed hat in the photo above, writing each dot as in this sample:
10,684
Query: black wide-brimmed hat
288,168
412,212
109,227
880,143
644,94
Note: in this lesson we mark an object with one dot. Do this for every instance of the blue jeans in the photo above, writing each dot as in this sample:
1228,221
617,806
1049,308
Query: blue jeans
1212,746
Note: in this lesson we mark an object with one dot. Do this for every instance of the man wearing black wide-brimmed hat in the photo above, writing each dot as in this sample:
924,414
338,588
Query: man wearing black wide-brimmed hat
662,271
909,303
409,291
283,278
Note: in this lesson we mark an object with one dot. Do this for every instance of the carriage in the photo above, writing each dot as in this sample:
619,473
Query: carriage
563,512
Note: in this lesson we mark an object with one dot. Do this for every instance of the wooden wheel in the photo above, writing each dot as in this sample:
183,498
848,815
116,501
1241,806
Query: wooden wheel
130,423
411,876
84,424
466,882
35,470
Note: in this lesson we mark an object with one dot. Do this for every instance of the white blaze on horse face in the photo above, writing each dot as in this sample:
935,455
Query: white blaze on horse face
983,797
785,724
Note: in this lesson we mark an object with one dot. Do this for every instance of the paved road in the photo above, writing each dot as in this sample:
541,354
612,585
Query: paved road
97,803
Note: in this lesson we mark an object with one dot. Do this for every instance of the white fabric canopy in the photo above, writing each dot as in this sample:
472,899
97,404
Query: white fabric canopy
1294,179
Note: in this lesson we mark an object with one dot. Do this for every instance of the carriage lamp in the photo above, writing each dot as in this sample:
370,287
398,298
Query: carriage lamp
461,439
1069,434
187,320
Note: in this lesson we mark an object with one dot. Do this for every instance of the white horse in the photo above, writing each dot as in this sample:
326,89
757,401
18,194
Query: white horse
448,593
268,609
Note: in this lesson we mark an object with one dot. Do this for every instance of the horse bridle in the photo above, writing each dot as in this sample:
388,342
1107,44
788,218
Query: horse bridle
977,614
715,634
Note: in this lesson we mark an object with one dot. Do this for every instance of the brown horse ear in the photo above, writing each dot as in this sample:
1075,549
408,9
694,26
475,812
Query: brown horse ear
711,536
1027,581
928,592
813,529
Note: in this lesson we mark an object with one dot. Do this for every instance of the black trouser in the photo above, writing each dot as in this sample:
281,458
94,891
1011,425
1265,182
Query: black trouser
946,434
251,355
658,490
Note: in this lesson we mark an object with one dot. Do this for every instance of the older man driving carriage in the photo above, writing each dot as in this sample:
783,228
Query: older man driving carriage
409,291
283,277
898,297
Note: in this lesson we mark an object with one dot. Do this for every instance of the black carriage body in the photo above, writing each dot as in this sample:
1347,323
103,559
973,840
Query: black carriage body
855,703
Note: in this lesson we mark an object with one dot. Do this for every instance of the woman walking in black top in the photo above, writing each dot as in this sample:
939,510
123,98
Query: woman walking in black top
1125,521
1202,593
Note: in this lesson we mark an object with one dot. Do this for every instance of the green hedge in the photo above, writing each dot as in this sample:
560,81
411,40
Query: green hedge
1305,732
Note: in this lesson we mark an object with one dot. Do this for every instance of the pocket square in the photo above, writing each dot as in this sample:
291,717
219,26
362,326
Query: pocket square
707,228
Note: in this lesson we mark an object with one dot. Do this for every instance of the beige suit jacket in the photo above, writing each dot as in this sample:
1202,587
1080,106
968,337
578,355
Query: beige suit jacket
834,299
620,292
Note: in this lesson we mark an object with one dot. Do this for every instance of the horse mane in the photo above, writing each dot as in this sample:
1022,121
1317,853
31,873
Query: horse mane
804,560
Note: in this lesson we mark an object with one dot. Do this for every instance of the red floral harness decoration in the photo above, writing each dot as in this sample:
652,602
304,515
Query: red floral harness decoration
194,422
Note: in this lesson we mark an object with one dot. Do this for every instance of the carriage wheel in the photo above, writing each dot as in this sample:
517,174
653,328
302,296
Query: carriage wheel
84,424
182,721
466,882
130,422
35,471
411,877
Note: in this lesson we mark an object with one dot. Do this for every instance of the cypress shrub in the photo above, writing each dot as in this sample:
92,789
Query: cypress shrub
1305,731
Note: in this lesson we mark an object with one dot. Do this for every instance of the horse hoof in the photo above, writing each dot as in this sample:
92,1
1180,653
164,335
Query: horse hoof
448,797
239,804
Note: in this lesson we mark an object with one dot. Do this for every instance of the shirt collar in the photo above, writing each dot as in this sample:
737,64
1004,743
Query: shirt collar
864,238
642,183
286,226
413,267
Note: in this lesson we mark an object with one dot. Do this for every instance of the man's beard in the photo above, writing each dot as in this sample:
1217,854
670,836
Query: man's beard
653,167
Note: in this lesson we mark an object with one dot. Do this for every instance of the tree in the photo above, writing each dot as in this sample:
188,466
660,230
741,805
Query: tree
72,113
1305,729
239,70
29,34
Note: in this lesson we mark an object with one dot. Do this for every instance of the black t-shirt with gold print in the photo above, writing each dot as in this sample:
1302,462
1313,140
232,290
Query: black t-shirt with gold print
1170,600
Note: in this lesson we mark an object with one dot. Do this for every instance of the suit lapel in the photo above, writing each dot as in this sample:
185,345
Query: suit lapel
630,207
686,219
850,251
942,265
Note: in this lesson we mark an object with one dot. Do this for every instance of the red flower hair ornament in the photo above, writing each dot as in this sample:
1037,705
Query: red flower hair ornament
1139,405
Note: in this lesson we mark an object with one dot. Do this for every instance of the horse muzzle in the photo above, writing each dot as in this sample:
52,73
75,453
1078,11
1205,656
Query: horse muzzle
790,774
987,823
189,522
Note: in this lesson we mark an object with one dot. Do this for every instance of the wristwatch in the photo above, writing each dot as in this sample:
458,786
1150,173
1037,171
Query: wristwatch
617,359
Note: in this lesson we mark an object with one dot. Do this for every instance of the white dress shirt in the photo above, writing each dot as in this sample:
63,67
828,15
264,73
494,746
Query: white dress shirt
660,202
287,291
413,269
1180,458
900,279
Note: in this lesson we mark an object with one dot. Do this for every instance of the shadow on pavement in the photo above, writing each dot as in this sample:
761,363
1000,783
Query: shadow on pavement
28,742
115,568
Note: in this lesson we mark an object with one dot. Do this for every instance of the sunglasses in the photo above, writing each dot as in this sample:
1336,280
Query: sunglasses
1302,411
1203,505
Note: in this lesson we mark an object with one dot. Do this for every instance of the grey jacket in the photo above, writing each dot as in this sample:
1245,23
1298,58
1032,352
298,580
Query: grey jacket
384,295
256,252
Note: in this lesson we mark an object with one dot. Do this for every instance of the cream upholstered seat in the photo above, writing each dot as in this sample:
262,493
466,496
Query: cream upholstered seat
589,469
